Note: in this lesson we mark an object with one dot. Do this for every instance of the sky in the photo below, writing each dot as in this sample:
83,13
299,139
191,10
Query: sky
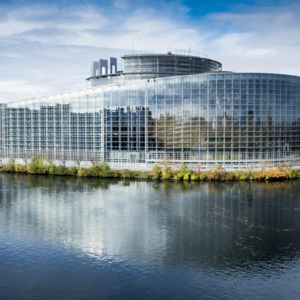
48,46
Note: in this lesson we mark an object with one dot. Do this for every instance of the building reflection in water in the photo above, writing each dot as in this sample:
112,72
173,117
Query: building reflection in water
212,223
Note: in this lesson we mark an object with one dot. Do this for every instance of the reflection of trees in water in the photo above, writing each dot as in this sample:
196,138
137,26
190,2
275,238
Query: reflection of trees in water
169,188
277,184
61,182
125,182
218,187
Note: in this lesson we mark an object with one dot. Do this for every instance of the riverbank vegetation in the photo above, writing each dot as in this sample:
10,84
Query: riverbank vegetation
162,172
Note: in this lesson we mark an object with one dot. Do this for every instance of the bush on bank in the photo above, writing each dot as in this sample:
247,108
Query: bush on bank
163,172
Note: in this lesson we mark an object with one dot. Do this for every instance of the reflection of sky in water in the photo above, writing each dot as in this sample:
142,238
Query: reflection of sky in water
68,238
219,225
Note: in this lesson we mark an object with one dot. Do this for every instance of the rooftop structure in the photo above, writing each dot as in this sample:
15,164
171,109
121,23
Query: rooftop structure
142,66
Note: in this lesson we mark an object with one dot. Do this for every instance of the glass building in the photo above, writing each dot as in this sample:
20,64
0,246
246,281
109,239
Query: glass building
161,108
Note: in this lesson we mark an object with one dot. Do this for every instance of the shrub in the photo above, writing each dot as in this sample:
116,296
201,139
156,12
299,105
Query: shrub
134,174
291,173
56,170
37,166
178,176
202,176
241,176
59,170
166,174
282,167
184,173
229,176
20,168
166,171
83,172
51,169
71,171
94,170
186,177
216,173
104,169
269,175
194,177
183,168
144,175
9,167
156,172
115,174
127,174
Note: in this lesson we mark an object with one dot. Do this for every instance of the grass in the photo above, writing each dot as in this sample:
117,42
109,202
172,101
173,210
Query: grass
164,172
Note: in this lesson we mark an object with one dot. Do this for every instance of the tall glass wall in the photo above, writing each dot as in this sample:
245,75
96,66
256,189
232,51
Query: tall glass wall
61,127
234,119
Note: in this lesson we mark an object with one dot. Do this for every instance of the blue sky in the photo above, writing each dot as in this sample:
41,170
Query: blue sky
47,46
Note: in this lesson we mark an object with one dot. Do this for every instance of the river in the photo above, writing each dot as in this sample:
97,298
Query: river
78,238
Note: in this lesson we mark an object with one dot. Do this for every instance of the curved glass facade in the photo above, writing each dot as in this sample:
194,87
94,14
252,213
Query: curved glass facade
233,119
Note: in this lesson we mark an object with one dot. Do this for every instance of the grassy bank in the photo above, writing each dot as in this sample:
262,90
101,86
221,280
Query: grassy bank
38,166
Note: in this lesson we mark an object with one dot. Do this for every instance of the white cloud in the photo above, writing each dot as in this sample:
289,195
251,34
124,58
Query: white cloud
266,40
45,49
16,88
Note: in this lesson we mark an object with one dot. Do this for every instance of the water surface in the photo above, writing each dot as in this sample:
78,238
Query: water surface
72,238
